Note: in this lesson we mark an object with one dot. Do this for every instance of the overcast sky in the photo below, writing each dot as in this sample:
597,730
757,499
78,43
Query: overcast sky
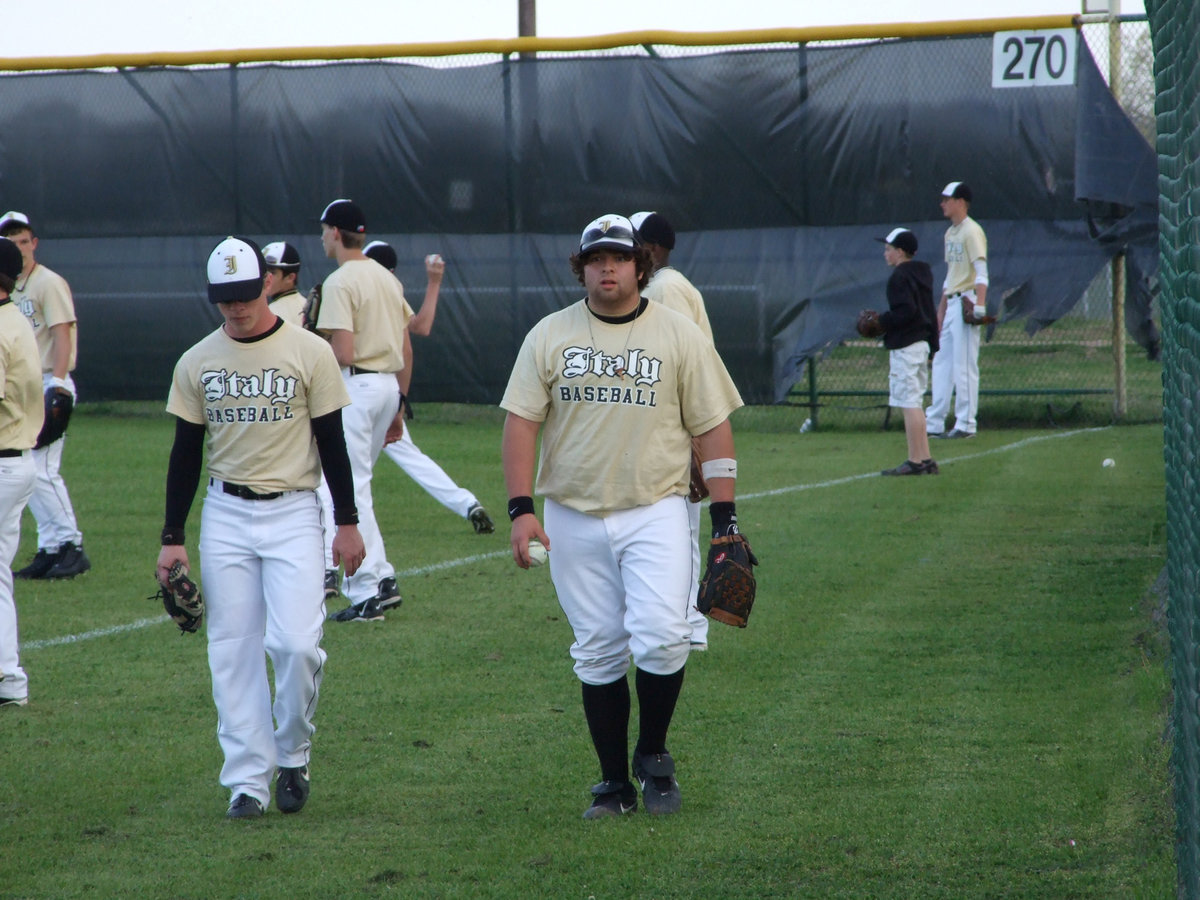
85,27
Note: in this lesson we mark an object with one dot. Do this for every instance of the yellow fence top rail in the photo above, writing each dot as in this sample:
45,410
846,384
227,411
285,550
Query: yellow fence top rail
507,46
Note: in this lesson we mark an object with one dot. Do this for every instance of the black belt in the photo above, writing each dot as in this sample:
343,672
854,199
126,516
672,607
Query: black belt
355,370
6,453
959,294
240,490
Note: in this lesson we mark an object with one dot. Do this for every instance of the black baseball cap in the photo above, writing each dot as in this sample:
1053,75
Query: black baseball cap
235,271
959,190
609,232
383,253
653,228
901,239
346,215
11,261
282,255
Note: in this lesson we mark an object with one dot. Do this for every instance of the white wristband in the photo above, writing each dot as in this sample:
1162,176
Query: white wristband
719,468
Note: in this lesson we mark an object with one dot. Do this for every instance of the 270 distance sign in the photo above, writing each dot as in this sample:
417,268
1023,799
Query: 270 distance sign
1033,58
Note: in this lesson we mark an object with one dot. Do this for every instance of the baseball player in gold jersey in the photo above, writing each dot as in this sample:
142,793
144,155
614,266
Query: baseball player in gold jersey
956,363
617,387
45,299
264,398
672,289
404,452
363,312
283,262
21,414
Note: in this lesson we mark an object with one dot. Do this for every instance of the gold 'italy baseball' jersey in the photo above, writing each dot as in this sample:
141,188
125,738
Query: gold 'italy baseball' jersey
45,299
644,387
21,405
257,400
965,243
289,307
364,298
671,288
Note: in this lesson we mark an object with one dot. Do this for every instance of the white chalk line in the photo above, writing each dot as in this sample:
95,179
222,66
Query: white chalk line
498,554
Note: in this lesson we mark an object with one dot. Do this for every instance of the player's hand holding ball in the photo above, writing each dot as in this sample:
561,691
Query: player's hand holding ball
434,266
538,554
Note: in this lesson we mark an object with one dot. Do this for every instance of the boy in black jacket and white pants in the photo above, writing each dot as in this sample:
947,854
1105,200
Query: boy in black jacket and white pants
911,334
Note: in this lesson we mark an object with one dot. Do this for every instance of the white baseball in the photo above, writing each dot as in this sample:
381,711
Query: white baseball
538,554
1109,463
432,259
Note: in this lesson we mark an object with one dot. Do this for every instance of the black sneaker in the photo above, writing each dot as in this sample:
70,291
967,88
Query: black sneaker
612,798
331,584
908,467
958,434
655,772
244,807
364,612
291,789
43,561
71,561
14,701
389,594
481,521
930,466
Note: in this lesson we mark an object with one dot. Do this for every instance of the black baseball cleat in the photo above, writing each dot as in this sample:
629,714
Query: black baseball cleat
331,584
480,520
71,561
291,788
611,798
14,701
908,467
244,807
958,434
389,594
43,561
655,772
363,612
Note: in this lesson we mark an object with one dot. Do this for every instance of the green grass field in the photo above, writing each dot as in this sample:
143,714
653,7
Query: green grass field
950,687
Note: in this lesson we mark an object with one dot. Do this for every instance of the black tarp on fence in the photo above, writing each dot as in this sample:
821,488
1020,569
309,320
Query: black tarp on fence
777,166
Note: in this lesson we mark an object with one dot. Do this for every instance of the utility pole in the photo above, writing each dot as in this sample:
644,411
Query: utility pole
526,18
1118,261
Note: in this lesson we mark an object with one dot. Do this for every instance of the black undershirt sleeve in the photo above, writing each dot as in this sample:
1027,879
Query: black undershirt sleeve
183,472
335,461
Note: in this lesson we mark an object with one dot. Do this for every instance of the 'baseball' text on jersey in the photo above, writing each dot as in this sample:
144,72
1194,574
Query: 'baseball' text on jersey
580,361
269,385
232,414
599,394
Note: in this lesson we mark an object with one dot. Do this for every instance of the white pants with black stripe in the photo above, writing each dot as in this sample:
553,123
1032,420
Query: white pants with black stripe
955,371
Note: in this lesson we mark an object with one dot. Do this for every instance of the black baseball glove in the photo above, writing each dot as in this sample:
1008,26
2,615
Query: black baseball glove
59,404
181,598
727,591
312,307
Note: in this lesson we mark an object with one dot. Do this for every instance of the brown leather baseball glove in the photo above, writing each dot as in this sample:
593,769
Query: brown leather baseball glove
181,599
868,324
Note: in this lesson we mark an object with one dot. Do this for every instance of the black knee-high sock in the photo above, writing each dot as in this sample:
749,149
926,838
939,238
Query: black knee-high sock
656,705
606,707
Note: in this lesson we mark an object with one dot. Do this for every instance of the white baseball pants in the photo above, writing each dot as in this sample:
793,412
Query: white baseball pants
16,486
50,503
429,475
263,582
697,619
955,370
624,583
374,400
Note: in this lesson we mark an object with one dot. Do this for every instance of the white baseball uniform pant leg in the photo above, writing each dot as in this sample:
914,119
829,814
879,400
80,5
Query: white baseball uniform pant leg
262,577
623,582
374,400
16,487
942,378
697,619
50,503
429,475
